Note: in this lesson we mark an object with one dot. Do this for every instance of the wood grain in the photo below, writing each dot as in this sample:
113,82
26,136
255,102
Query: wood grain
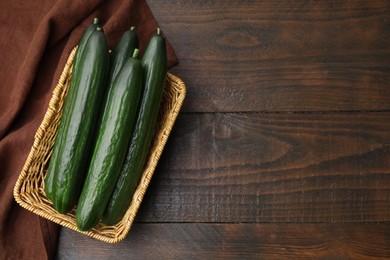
280,55
286,122
273,168
233,241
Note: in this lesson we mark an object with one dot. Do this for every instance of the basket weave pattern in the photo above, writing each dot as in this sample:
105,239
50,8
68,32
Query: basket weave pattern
29,188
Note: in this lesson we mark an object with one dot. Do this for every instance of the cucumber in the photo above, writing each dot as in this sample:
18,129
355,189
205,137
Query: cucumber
122,52
78,121
154,62
49,179
112,142
124,49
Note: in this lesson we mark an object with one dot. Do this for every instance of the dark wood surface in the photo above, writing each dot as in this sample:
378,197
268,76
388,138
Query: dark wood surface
229,167
282,149
236,241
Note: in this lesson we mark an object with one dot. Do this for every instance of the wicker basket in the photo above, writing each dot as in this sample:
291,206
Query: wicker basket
29,188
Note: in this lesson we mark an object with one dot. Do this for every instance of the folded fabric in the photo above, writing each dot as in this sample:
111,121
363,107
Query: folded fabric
37,38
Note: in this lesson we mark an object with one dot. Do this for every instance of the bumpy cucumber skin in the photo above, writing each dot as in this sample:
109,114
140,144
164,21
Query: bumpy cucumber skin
154,62
49,179
112,144
80,116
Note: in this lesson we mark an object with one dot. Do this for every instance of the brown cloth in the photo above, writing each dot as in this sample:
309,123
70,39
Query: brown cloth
36,38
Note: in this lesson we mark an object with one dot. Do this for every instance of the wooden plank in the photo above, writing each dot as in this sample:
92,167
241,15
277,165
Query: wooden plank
280,55
232,241
229,167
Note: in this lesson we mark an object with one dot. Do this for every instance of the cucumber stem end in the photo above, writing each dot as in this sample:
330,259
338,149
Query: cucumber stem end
135,53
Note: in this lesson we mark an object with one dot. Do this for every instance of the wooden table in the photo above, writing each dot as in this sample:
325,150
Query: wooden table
282,148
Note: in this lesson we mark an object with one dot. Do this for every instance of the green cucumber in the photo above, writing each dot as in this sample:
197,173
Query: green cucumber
154,62
123,50
79,118
112,143
49,179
